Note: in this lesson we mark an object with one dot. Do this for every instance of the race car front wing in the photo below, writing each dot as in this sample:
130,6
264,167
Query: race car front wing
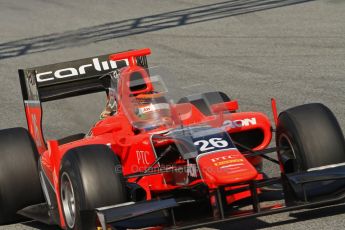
297,195
118,214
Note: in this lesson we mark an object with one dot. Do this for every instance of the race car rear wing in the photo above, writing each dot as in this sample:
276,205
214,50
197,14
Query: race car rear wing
67,79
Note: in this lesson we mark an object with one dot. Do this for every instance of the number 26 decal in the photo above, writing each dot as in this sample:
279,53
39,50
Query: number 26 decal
212,143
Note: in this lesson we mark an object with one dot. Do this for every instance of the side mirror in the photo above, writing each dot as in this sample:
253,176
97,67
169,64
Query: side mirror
230,106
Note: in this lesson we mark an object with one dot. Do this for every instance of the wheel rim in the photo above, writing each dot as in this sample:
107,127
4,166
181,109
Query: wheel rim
68,200
287,154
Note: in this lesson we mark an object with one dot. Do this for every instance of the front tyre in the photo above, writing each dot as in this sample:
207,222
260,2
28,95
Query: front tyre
309,136
90,177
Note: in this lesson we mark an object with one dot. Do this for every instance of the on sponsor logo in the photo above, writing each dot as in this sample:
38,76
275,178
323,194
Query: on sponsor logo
240,123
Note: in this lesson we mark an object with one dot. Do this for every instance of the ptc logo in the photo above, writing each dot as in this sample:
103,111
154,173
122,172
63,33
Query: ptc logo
223,158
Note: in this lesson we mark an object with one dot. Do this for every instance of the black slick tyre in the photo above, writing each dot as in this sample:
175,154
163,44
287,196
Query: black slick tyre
204,100
90,177
311,136
19,181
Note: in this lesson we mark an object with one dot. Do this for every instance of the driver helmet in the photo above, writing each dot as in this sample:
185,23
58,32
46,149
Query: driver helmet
150,108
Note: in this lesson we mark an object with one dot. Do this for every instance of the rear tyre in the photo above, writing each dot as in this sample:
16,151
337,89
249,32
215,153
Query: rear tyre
309,136
19,181
90,177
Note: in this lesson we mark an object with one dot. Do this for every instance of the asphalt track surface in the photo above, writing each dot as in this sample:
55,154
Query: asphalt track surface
292,50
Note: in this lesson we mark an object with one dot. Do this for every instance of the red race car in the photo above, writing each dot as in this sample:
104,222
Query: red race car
153,161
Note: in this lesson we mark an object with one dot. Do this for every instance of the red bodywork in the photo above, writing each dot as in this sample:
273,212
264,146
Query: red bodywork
136,150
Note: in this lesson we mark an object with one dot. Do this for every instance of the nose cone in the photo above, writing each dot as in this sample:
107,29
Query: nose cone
223,168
